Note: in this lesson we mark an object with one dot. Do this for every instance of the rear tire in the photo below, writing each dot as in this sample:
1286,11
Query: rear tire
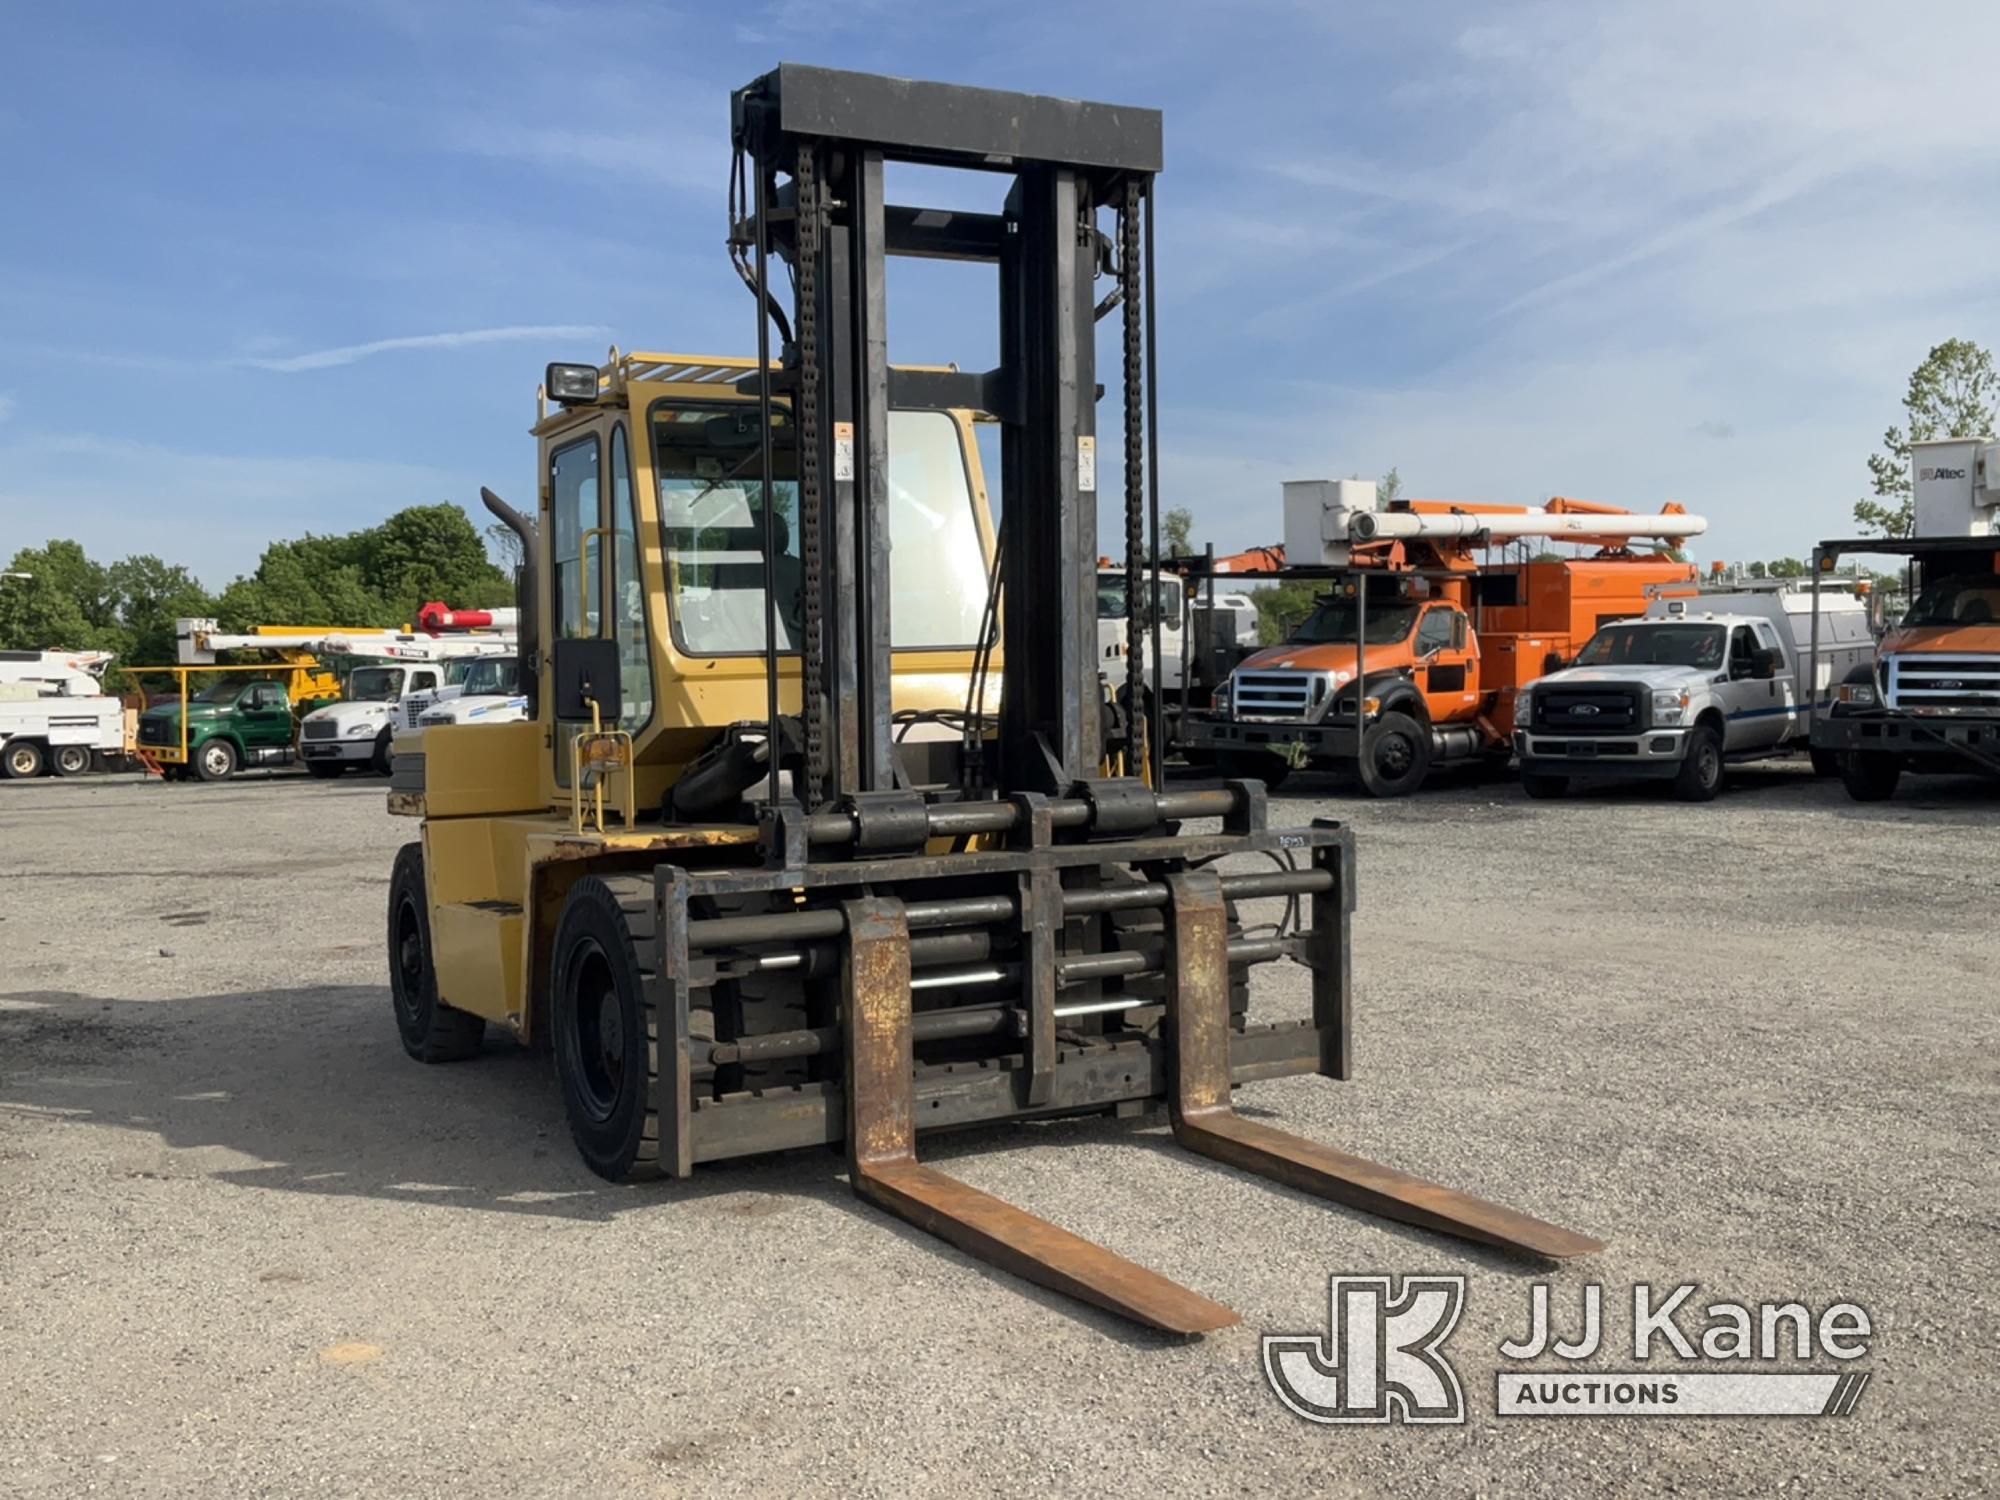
602,1025
1870,775
1253,765
325,770
22,760
1395,756
1544,787
70,760
432,1031
214,760
1700,775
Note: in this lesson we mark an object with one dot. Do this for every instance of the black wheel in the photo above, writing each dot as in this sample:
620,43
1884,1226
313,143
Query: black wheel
1825,762
1395,756
1544,787
384,757
602,1026
1700,775
22,760
215,760
1253,765
173,773
1870,775
432,1031
325,770
70,760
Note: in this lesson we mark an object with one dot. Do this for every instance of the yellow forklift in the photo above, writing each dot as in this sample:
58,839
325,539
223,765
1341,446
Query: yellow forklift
810,837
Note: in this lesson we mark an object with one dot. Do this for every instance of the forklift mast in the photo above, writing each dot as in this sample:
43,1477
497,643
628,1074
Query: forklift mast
812,147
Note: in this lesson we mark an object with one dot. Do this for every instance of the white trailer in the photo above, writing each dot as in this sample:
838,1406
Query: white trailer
54,714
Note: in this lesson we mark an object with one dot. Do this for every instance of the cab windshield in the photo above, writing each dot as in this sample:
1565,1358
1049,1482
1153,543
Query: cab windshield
1698,646
1114,598
375,684
219,692
1962,600
1333,622
707,462
495,676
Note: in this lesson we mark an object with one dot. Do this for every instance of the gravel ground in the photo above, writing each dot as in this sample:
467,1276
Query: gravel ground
247,1248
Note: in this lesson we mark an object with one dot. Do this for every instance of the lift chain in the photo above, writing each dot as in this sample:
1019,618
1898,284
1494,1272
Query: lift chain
809,227
1135,460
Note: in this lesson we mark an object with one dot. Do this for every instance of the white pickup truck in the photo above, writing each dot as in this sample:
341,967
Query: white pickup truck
53,714
1696,685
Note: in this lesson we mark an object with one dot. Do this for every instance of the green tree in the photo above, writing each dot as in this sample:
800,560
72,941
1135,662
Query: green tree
1281,608
1786,567
1389,487
1176,532
152,595
1955,392
58,599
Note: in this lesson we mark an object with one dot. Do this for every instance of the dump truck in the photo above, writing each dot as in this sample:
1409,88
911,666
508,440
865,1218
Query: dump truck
1411,658
809,836
1692,687
1929,701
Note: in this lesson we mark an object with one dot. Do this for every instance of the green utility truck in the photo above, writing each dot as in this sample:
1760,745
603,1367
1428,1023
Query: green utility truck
230,724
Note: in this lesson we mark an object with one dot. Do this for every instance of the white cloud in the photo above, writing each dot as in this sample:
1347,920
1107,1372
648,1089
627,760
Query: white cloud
6,406
347,354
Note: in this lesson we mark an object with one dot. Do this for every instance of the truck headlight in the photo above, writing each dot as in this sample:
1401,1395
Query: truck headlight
1858,694
1670,705
360,731
1220,701
1524,707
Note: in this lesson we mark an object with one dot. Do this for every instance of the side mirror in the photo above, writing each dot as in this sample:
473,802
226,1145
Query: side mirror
585,669
1767,663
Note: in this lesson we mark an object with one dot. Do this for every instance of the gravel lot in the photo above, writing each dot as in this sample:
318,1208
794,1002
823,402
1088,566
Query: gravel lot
247,1248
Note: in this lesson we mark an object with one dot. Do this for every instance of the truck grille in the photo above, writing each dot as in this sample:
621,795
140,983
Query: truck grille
1587,710
1919,682
318,729
1274,695
157,732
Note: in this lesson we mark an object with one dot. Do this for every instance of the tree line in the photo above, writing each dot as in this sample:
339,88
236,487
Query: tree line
57,597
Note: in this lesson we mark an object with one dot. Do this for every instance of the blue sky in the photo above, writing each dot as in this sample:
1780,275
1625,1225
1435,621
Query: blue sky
272,267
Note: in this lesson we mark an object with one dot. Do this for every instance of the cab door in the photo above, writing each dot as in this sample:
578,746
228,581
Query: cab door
1751,701
1447,663
265,714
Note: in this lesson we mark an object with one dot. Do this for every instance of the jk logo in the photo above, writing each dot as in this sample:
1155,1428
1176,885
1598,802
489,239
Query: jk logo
1381,1360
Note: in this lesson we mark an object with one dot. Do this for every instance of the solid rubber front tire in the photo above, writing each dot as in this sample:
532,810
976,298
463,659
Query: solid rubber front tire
1870,775
1700,776
432,1032
602,1025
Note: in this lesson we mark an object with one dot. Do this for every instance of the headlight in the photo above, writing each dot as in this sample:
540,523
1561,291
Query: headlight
1524,706
1220,701
1670,705
359,731
1858,694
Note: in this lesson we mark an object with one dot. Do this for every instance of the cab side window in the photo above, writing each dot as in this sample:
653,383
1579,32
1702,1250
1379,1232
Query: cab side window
1742,652
424,681
1435,632
265,696
579,599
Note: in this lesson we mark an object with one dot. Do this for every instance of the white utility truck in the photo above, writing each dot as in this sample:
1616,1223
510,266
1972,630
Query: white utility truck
358,730
54,714
1695,685
488,692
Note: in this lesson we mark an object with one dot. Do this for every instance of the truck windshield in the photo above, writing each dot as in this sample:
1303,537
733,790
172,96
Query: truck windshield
492,675
1113,598
1332,622
1961,600
219,692
375,684
1656,646
706,461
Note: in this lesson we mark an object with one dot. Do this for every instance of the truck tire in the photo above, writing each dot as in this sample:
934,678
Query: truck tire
1543,786
214,759
1870,775
1700,775
1825,762
383,761
1253,765
325,770
432,1032
602,1026
70,760
1395,756
22,760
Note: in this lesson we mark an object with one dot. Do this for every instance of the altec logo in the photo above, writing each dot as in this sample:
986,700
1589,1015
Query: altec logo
1929,474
